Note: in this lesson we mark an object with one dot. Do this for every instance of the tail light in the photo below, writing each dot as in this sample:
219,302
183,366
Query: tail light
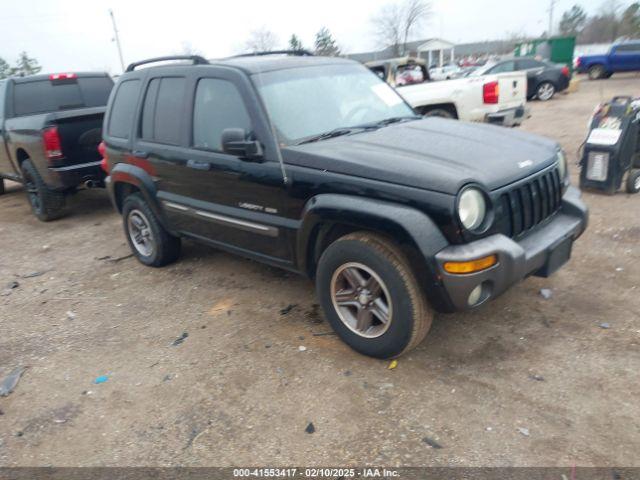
52,145
565,71
578,61
491,92
104,164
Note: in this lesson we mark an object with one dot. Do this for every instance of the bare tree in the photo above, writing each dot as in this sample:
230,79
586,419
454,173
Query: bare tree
261,40
395,23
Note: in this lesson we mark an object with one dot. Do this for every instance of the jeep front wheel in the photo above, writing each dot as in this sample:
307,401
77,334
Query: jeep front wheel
149,241
371,297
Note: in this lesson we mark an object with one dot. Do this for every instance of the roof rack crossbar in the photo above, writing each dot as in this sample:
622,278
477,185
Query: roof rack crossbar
196,59
296,53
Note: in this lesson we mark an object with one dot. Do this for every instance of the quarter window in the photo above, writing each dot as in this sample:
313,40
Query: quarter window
123,109
218,105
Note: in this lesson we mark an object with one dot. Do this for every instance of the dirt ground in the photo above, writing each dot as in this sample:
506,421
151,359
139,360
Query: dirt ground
238,391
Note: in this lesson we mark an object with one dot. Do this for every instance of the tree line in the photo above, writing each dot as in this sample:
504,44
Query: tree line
611,23
25,65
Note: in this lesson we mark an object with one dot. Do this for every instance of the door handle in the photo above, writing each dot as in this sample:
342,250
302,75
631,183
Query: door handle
140,154
198,165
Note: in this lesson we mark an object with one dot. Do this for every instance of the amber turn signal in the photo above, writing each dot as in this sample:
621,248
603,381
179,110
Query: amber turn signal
472,266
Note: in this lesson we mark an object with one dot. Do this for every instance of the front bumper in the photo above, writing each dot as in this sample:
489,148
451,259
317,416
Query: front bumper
509,117
63,178
539,253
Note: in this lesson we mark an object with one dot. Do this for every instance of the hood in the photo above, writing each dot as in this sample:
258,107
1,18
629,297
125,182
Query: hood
434,153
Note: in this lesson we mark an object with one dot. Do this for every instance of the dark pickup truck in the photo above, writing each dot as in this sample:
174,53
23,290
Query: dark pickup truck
50,129
318,166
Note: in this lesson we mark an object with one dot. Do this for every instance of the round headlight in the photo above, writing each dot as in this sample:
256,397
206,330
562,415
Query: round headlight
472,208
562,164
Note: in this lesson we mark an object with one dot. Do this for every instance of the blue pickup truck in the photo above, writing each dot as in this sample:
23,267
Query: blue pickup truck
623,57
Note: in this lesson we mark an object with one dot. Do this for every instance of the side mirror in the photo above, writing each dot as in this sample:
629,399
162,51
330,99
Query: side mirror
234,142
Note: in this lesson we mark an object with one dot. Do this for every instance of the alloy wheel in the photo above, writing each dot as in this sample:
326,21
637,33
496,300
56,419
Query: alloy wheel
140,233
361,300
546,91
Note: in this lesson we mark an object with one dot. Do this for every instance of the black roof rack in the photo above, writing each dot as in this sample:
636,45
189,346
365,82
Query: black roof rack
295,53
196,59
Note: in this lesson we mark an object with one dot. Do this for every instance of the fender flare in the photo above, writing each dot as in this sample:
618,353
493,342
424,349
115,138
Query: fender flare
142,181
407,223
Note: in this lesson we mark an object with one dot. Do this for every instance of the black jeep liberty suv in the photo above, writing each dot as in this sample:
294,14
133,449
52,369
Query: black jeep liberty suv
317,166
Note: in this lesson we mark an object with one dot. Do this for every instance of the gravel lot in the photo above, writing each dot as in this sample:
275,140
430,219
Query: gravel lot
523,381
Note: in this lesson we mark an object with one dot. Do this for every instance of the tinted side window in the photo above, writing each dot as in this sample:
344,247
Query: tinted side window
503,67
123,109
162,110
628,48
218,105
528,63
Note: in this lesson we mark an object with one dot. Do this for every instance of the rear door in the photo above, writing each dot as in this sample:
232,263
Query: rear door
534,70
206,193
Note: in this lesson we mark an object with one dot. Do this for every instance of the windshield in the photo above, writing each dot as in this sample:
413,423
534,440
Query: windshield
309,101
478,72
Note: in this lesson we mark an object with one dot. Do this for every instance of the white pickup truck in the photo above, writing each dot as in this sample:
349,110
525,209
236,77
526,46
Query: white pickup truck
497,98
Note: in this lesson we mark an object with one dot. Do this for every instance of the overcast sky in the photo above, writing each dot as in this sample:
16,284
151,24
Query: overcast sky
77,34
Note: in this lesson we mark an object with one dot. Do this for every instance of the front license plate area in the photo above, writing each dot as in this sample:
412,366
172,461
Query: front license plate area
558,256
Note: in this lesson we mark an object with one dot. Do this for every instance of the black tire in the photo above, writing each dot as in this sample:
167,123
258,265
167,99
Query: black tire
46,204
438,112
633,181
164,247
1,186
596,72
545,91
409,313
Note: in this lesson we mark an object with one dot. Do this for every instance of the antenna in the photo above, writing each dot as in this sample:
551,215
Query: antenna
116,37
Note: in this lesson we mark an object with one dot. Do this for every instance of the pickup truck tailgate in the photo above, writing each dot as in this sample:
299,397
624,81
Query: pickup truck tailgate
80,132
513,89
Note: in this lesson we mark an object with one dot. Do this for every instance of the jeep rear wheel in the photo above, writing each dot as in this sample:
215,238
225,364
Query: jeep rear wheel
371,297
149,241
46,204
1,186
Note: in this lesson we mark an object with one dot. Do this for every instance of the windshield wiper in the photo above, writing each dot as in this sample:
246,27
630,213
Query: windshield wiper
366,126
332,134
389,121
